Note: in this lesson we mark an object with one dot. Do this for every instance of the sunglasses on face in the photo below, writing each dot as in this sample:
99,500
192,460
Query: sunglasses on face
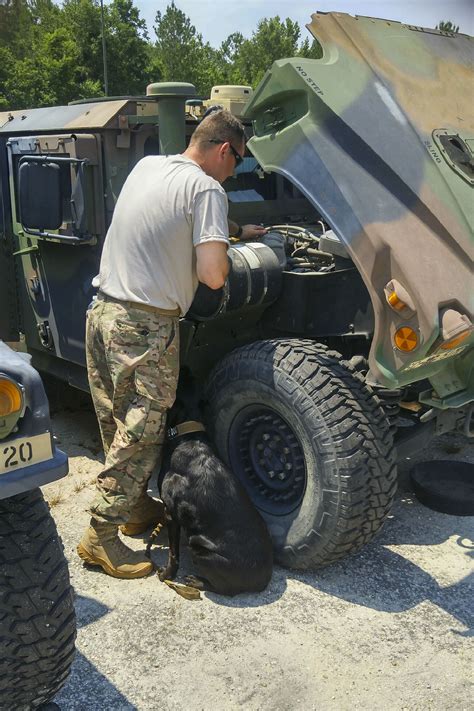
237,157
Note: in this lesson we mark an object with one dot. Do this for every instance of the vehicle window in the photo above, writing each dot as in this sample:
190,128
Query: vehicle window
65,180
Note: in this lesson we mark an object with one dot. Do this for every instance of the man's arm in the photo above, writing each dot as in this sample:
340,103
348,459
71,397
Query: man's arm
212,263
246,232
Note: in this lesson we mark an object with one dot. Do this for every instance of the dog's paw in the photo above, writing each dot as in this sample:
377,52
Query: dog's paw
167,574
194,582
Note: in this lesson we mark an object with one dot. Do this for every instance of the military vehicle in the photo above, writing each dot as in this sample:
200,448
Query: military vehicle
37,619
346,334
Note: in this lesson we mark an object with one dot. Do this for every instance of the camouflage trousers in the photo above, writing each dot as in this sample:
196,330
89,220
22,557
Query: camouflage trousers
132,364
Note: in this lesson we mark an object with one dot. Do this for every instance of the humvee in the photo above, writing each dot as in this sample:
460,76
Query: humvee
342,339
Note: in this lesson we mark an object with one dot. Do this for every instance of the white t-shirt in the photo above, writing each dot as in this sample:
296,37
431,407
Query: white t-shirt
167,206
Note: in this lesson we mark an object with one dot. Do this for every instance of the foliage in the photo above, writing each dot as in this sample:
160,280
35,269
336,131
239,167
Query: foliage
180,52
52,54
127,49
447,26
273,39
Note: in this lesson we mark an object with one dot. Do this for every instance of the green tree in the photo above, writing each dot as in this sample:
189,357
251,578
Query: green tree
46,15
176,42
81,18
310,50
272,40
7,63
16,27
48,75
46,56
180,53
447,26
127,49
52,54
247,60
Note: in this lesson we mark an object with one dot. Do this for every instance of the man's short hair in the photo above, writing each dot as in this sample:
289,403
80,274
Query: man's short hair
219,125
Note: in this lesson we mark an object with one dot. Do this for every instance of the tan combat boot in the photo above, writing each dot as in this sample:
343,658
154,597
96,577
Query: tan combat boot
146,513
100,545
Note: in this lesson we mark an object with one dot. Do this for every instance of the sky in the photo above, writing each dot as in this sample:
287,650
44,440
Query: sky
217,19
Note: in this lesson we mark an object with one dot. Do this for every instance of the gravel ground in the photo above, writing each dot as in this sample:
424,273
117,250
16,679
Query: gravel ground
388,628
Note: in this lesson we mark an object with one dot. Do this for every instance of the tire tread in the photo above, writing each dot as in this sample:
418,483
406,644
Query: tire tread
37,619
352,412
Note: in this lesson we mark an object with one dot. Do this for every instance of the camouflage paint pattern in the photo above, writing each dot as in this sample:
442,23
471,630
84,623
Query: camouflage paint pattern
360,133
133,365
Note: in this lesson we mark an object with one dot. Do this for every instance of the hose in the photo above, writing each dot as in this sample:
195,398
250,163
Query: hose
294,231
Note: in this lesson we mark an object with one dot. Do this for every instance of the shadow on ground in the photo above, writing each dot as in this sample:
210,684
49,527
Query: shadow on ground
92,690
378,577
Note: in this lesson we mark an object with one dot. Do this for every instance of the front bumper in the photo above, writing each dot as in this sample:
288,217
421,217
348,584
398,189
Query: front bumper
21,480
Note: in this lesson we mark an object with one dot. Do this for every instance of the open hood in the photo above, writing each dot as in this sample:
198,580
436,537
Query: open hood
379,136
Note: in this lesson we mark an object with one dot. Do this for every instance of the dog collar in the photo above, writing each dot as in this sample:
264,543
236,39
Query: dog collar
185,428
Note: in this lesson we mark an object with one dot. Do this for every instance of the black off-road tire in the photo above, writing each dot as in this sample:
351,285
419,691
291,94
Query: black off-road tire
37,619
310,442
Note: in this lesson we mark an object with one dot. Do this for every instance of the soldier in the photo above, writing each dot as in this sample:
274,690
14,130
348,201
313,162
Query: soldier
169,231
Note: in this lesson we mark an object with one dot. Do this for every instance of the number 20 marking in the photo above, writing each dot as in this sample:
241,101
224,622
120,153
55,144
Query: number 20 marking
24,454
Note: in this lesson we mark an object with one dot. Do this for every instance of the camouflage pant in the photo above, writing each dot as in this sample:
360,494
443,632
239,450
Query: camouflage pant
132,364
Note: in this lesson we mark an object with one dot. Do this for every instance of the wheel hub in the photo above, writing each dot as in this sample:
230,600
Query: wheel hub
268,458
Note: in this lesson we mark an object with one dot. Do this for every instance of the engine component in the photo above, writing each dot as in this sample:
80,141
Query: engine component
277,242
255,278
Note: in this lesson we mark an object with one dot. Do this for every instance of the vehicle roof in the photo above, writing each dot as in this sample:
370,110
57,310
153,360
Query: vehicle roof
74,117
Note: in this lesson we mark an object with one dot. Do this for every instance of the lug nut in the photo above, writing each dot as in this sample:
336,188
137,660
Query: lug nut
288,466
271,473
266,437
281,476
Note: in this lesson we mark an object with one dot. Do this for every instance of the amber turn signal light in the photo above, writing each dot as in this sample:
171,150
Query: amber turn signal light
11,397
395,302
406,339
447,345
399,299
455,328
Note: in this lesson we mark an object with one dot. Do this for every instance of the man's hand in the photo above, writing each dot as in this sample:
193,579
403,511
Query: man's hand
252,232
246,232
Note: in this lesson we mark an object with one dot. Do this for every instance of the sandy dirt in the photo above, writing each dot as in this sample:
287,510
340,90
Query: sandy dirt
388,628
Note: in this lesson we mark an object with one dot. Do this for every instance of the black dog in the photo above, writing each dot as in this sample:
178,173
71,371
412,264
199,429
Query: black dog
230,545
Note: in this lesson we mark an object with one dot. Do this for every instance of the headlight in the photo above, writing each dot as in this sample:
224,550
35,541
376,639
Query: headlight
11,397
